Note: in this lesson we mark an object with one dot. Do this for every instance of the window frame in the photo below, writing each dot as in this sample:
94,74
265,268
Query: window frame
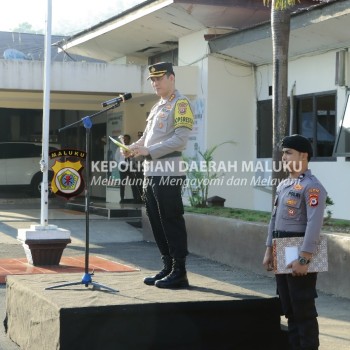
297,118
296,121
346,113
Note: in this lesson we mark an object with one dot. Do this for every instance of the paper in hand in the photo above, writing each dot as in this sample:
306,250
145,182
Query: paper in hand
291,254
119,144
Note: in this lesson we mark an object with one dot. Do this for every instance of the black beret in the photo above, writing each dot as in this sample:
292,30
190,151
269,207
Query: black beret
159,69
299,143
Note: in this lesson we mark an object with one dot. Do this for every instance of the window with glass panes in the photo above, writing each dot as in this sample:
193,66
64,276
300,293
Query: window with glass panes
314,117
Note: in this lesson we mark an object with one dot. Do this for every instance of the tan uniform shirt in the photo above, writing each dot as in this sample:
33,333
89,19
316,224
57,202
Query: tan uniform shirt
168,127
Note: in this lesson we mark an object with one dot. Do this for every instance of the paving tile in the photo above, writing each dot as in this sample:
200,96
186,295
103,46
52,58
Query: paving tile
20,266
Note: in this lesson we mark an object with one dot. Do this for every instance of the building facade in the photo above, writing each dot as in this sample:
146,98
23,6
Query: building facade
228,76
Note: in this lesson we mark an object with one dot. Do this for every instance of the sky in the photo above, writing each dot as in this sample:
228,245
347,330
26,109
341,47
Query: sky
68,16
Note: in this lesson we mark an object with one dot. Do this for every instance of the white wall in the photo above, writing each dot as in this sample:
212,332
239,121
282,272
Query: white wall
227,91
135,118
95,78
231,111
188,57
335,178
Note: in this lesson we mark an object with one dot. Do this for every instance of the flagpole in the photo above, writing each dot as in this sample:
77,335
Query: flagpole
44,244
44,163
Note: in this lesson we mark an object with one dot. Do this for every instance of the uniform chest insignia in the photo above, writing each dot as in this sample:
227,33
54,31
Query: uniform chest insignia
291,202
171,97
291,211
294,194
298,187
314,190
313,200
168,107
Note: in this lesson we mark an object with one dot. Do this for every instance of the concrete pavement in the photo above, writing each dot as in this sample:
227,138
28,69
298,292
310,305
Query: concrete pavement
119,240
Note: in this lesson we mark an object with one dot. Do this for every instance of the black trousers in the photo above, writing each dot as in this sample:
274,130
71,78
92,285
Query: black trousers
132,177
297,295
124,174
164,207
137,187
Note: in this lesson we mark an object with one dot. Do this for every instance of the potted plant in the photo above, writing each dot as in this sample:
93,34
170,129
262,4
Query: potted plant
199,180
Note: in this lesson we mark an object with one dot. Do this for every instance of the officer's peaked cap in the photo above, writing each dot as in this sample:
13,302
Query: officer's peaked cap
299,143
159,69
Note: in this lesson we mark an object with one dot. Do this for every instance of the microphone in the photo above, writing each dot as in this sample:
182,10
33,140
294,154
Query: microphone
120,98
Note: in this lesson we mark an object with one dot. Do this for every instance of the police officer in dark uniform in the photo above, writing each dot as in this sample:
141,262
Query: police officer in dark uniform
298,211
165,137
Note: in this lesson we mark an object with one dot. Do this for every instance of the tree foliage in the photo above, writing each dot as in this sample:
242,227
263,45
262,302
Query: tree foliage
281,4
26,27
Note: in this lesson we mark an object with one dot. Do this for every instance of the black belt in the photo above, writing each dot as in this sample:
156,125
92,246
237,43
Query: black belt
172,154
169,155
283,234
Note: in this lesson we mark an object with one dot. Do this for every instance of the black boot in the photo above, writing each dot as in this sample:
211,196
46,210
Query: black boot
177,278
167,262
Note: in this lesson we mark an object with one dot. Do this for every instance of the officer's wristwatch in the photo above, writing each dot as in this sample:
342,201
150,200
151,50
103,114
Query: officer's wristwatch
303,261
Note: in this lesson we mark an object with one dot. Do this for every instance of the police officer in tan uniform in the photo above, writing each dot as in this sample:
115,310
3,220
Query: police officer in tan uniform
165,137
298,211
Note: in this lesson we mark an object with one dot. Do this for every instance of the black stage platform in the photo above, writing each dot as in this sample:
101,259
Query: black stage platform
209,315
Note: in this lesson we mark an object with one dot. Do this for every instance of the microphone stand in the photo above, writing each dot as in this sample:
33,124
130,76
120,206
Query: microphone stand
87,280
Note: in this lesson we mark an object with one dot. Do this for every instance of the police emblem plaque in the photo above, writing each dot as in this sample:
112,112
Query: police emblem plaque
67,181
